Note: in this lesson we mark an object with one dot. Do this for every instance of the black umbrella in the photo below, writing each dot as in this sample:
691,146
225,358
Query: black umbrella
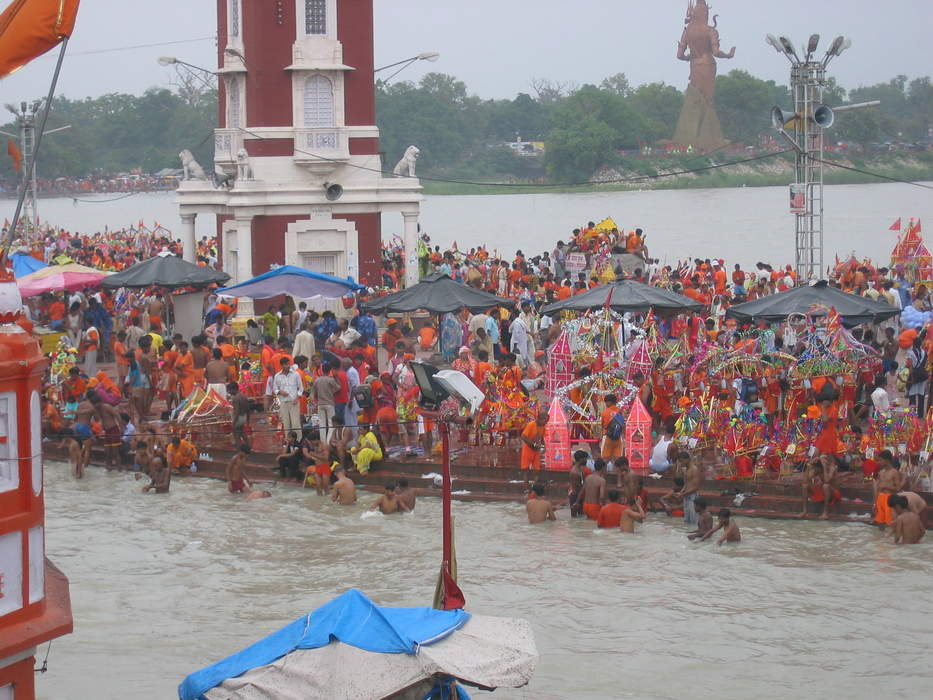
627,295
816,297
165,271
438,294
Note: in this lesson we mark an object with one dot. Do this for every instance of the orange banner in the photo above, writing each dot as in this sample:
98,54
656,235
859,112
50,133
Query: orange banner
29,28
15,155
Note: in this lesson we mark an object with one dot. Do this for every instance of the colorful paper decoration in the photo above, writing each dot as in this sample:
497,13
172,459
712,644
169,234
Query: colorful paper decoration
557,439
640,362
559,366
638,436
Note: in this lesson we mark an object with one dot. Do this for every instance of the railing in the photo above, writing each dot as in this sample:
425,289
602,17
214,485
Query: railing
226,144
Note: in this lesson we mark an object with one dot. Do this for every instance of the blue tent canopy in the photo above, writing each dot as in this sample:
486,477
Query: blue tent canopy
352,619
25,264
296,281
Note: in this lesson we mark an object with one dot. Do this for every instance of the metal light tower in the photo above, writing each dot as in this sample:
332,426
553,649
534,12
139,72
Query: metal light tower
26,120
806,124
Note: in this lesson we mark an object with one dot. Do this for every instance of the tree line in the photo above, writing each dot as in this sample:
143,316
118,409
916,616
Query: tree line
462,135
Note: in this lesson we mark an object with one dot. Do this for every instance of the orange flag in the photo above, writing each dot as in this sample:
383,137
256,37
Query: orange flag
29,28
15,155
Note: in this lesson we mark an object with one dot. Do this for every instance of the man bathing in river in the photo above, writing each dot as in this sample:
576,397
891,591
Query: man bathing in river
83,435
887,483
405,494
160,478
576,480
344,490
634,513
539,508
907,526
389,502
705,520
610,515
693,479
917,504
236,482
730,531
593,494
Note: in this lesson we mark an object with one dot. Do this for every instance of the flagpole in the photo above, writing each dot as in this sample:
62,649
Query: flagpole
30,166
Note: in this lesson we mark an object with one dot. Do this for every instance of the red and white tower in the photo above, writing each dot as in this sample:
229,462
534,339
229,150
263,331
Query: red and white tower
34,602
297,113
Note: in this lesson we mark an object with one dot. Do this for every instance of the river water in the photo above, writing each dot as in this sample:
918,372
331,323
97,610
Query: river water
743,225
164,585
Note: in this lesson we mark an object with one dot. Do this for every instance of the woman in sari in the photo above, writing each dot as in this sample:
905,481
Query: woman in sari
367,451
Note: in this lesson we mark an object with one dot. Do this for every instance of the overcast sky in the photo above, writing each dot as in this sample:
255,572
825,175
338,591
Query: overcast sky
498,46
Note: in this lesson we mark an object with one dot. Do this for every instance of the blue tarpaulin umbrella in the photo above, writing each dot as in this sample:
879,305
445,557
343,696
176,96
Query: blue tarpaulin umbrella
354,649
25,264
296,281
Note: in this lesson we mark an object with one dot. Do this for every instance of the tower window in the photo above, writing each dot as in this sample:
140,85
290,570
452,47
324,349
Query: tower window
234,17
319,101
315,17
233,102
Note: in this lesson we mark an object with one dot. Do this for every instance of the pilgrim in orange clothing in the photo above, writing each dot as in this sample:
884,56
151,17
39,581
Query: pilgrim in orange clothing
533,442
180,453
184,369
610,448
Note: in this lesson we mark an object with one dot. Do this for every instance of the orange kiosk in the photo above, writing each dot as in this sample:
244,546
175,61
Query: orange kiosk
35,606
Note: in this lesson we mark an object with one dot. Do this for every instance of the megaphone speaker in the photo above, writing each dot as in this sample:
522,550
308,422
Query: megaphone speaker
780,118
823,116
333,191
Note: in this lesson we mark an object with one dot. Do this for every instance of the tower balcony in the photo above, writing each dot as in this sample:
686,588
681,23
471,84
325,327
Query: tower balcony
321,149
226,144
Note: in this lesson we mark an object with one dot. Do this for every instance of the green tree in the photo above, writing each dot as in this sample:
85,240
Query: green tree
744,102
659,105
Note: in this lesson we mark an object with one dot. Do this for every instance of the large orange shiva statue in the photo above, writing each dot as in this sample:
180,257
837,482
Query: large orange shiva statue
698,125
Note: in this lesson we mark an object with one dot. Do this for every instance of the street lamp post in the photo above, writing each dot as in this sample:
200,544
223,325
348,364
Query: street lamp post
431,56
806,125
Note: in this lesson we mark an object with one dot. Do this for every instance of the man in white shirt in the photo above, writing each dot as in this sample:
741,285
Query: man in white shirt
353,381
879,397
304,342
520,340
286,385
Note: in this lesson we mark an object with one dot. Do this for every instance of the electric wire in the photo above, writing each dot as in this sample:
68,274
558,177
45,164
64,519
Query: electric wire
873,174
533,185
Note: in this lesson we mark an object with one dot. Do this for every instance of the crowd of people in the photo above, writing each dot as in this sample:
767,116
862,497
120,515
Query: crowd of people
341,395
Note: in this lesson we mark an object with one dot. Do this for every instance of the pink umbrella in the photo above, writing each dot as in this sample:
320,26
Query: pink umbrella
57,278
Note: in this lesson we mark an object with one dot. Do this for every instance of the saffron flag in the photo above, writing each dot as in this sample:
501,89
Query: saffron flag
896,226
29,28
15,155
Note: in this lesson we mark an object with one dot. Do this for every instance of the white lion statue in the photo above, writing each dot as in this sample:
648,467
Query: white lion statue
192,169
406,166
243,170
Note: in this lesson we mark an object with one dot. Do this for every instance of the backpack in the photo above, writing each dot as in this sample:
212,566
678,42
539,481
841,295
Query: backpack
363,394
747,388
828,392
616,427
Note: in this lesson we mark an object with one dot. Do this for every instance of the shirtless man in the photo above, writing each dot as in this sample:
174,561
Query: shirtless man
240,405
217,372
539,508
631,515
819,484
155,310
693,479
626,479
389,502
256,494
161,477
730,531
405,494
75,452
344,490
917,504
142,458
593,494
83,434
669,501
576,480
887,483
705,522
907,526
113,431
236,482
